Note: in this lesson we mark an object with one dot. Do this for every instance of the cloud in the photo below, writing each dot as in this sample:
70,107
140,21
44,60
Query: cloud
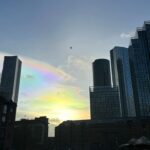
54,121
127,35
55,92
79,67
76,63
79,62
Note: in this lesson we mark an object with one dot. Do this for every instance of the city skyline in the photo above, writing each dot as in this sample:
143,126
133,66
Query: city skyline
41,34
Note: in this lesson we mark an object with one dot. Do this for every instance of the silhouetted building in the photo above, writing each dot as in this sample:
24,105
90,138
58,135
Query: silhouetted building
99,135
104,99
8,99
121,76
104,102
101,72
139,58
7,118
10,78
51,143
31,134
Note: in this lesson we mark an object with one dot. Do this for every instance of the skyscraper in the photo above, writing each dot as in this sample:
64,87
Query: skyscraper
122,79
139,58
10,78
104,99
101,72
8,99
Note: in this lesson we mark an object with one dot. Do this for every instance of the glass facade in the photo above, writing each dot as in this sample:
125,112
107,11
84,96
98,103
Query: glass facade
121,77
104,102
139,58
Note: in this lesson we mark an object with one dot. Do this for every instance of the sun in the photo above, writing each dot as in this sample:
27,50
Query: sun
66,115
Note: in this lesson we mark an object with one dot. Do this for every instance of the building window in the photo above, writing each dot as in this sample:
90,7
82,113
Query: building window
11,110
3,119
1,135
5,109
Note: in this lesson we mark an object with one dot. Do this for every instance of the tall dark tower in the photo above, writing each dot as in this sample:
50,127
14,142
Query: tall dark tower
101,72
10,78
9,89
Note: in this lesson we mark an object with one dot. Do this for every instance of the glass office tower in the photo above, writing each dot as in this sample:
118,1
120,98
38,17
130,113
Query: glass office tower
139,58
121,77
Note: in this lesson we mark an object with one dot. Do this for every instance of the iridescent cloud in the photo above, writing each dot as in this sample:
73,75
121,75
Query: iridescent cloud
45,90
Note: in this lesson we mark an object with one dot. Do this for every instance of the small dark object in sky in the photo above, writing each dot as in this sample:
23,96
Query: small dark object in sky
70,47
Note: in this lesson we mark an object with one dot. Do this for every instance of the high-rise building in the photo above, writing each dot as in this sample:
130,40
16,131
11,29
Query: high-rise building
139,58
101,72
104,99
104,102
10,78
8,100
121,77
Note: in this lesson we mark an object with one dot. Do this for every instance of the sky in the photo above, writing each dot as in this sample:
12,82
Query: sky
55,78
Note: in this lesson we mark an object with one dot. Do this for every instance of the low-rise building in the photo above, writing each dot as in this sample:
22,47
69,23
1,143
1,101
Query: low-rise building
7,119
106,134
31,134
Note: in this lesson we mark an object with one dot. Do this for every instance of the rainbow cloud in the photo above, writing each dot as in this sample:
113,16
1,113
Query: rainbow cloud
44,90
